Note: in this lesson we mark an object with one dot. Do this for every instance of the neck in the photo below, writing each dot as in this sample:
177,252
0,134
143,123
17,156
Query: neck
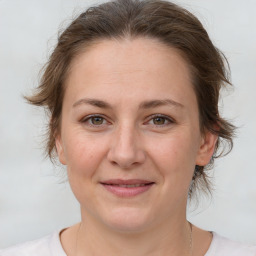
170,237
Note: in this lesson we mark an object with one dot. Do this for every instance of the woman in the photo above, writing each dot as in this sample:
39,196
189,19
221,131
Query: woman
132,89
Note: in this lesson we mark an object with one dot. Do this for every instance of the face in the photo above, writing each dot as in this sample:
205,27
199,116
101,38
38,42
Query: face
130,134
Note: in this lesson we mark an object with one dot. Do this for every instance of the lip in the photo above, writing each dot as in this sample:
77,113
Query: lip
126,182
118,187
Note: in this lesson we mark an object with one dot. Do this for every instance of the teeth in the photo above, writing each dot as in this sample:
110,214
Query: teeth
130,186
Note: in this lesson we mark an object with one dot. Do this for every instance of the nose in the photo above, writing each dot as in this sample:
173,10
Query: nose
126,149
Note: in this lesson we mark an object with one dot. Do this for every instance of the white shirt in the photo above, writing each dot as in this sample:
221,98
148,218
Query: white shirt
51,246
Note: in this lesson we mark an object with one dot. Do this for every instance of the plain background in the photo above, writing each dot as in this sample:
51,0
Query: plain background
33,199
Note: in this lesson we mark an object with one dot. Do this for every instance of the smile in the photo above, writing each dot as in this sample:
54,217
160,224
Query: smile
130,186
127,188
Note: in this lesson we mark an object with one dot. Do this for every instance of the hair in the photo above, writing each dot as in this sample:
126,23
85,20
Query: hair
171,25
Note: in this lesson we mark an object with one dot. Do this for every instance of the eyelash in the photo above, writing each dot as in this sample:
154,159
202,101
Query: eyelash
87,119
166,118
169,120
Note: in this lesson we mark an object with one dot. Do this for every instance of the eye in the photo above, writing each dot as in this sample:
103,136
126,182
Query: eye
160,120
94,120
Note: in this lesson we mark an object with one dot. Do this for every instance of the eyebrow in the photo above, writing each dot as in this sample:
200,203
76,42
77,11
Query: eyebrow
93,102
144,105
158,103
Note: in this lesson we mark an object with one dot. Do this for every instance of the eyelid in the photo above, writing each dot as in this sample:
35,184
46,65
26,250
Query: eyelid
168,118
88,117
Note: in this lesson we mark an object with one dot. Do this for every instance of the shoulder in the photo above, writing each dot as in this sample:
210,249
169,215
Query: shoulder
47,246
222,246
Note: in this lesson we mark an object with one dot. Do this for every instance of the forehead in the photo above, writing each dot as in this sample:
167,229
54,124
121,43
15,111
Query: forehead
130,55
136,66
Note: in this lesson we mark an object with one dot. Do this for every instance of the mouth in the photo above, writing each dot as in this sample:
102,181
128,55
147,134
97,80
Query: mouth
127,188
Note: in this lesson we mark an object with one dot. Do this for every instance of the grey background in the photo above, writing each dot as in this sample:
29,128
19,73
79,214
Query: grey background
33,199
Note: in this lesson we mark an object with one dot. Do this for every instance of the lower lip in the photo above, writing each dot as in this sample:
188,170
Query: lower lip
127,192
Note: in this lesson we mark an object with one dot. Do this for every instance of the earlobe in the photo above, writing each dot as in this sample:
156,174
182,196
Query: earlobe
60,149
206,149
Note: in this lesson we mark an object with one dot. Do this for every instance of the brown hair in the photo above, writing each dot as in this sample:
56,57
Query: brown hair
162,20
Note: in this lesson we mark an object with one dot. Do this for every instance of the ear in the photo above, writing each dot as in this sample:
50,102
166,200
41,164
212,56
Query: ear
60,149
206,149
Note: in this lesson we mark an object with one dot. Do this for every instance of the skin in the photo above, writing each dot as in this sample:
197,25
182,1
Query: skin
128,141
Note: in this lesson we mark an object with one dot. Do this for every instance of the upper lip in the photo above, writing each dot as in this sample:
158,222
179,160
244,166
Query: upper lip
125,182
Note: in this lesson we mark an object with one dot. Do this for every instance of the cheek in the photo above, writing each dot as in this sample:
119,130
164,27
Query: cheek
83,160
175,150
83,155
175,158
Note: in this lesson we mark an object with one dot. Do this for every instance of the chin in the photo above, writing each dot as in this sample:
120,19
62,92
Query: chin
128,220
